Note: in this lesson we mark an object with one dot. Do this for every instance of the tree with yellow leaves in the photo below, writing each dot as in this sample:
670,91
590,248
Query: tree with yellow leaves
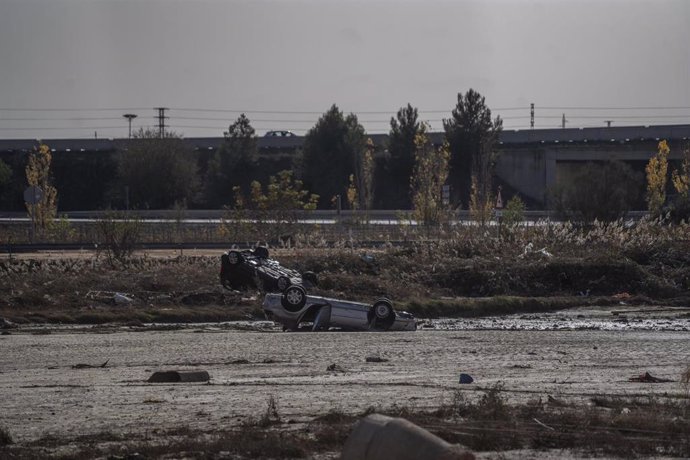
681,179
43,212
429,174
657,177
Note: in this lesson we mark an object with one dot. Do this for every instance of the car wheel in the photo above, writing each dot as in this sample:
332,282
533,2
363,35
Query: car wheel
261,252
383,309
310,277
234,258
283,283
294,298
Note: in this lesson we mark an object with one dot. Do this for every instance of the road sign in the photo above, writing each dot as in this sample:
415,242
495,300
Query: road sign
33,194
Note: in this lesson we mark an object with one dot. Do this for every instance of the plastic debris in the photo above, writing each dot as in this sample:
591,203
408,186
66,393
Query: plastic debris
121,299
648,378
466,378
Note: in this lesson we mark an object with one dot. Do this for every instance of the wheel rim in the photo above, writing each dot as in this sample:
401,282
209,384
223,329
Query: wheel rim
382,310
294,296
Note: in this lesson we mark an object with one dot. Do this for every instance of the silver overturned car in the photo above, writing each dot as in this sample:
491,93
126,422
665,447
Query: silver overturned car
295,309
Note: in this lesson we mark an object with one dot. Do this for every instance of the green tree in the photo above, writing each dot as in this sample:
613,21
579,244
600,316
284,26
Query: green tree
43,212
405,126
331,151
472,137
277,208
429,174
657,177
158,171
233,164
602,191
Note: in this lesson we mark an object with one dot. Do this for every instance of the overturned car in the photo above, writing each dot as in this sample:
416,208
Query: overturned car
293,308
242,269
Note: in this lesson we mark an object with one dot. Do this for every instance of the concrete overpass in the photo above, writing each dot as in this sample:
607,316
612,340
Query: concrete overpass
531,160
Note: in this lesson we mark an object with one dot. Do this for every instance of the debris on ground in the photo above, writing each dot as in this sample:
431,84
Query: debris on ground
380,436
179,376
121,299
466,378
90,366
335,368
648,378
7,324
376,359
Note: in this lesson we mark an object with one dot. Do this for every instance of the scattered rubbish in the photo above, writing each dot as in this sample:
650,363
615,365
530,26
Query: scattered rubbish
335,368
90,366
584,293
121,299
179,376
529,249
622,296
378,436
543,424
555,402
648,378
368,258
466,378
7,324
376,359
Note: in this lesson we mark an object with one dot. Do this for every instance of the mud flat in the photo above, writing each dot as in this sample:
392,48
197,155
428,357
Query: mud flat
52,385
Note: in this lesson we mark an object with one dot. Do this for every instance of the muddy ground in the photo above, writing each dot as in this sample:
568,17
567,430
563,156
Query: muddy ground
48,395
580,329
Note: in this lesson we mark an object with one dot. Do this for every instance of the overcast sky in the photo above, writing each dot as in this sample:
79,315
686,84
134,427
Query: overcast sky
368,57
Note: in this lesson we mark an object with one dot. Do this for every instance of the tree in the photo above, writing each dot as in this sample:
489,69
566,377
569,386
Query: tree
37,170
363,177
5,180
280,205
681,178
602,191
158,172
657,177
429,174
401,147
233,164
472,136
331,150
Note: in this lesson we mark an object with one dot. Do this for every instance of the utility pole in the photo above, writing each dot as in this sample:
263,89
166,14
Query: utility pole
129,117
531,115
161,120
563,122
608,123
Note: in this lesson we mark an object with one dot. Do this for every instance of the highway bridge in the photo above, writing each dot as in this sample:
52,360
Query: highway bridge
530,162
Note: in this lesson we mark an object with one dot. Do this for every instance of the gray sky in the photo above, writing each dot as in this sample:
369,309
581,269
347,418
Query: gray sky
365,56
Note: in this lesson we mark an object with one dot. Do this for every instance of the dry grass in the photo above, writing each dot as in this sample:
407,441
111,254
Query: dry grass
623,427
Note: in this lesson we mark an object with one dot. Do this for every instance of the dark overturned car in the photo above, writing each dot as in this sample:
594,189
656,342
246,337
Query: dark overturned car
253,269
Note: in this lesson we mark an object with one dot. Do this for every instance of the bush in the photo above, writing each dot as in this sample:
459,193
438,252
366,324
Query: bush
120,233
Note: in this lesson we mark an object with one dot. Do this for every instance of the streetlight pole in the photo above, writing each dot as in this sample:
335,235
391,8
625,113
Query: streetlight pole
130,117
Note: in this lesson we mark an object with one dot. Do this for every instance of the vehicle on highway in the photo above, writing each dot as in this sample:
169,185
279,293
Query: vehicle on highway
245,269
283,133
294,309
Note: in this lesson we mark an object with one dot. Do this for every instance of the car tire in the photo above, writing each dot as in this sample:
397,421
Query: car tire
383,309
283,283
261,252
311,278
235,258
294,298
